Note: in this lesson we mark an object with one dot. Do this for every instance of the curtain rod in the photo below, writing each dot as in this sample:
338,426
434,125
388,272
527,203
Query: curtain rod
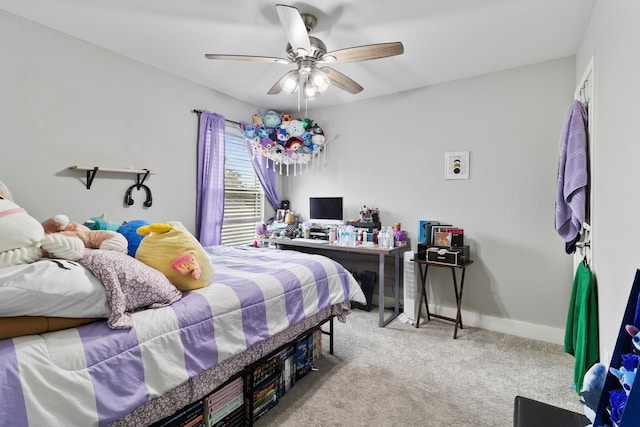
226,120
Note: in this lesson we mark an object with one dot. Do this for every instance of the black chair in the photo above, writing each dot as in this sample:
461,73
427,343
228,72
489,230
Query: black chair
531,413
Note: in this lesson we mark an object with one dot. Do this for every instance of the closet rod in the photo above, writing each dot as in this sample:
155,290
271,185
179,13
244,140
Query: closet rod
226,120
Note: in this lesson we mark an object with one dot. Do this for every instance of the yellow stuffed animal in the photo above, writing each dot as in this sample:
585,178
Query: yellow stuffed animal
170,248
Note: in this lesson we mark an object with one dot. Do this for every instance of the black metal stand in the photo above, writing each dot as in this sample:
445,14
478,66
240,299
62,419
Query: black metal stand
424,267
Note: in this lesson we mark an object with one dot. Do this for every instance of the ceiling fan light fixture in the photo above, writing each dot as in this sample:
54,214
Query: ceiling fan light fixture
319,80
310,90
290,83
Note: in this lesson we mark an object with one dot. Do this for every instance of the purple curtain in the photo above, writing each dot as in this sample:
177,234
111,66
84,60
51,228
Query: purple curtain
210,198
267,177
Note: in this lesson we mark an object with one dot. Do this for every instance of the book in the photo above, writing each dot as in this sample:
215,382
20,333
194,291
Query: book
223,395
450,236
317,344
189,416
225,410
265,408
442,238
457,236
304,356
435,230
234,419
424,230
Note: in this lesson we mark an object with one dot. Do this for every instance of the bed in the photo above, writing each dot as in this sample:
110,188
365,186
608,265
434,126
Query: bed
173,354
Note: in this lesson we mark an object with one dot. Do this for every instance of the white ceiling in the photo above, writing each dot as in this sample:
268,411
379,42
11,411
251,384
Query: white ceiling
444,40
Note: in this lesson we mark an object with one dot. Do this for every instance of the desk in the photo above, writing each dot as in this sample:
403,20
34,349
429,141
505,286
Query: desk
424,266
327,248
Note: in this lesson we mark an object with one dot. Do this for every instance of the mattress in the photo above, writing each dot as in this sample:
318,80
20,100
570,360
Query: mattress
93,375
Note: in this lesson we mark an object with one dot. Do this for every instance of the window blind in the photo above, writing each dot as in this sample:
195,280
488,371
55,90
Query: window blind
243,197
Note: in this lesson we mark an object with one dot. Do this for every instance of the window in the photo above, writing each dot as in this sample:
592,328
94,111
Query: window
243,197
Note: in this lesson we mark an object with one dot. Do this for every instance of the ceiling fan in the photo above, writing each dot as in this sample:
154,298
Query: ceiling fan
307,52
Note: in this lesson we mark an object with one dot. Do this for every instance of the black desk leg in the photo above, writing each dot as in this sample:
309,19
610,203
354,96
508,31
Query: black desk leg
423,295
458,300
458,296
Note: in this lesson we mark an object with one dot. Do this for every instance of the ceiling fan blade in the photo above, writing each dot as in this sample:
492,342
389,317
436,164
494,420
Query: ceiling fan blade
294,27
363,53
341,81
251,58
276,88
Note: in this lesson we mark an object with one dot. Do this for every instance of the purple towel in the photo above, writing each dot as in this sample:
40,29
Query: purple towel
573,174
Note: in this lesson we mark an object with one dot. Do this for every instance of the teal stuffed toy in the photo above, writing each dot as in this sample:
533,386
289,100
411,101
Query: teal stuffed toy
99,223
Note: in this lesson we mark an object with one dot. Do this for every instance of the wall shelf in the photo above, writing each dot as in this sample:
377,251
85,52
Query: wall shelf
141,174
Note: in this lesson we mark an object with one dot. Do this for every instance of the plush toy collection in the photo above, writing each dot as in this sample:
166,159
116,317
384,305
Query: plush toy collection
282,138
169,248
594,380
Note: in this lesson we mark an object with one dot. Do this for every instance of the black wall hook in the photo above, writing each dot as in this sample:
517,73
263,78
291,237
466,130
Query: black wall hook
128,200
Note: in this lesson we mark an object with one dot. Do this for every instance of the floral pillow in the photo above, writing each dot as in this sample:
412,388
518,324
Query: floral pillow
130,285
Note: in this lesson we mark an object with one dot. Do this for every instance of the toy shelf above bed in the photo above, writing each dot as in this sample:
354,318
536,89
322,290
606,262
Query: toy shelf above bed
142,174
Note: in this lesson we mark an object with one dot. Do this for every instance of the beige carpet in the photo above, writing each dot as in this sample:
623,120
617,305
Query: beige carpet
403,376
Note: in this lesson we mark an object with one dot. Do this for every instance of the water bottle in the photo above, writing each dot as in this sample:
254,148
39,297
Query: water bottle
391,235
344,236
382,238
353,236
333,235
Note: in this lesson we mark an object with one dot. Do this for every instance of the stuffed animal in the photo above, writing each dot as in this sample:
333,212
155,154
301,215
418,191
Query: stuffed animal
625,374
248,131
170,248
129,230
257,120
262,132
635,336
592,386
4,192
285,119
24,240
98,239
295,128
100,223
271,119
317,137
282,135
55,224
293,144
93,239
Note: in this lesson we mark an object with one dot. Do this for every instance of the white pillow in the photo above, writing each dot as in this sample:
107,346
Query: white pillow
51,287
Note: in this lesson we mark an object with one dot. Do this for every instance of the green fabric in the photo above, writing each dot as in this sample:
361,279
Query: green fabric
581,334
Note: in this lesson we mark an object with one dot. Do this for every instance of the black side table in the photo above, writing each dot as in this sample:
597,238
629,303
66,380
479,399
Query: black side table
424,267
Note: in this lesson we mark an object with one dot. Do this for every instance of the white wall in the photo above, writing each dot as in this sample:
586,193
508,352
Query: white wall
612,39
390,155
65,102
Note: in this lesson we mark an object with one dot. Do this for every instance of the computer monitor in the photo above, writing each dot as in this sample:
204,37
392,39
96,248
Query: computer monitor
326,210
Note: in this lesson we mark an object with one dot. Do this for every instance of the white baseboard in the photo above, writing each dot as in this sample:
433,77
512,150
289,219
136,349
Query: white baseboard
505,326
498,324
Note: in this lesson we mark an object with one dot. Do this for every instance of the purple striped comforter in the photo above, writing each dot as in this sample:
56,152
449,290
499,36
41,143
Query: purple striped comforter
93,375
